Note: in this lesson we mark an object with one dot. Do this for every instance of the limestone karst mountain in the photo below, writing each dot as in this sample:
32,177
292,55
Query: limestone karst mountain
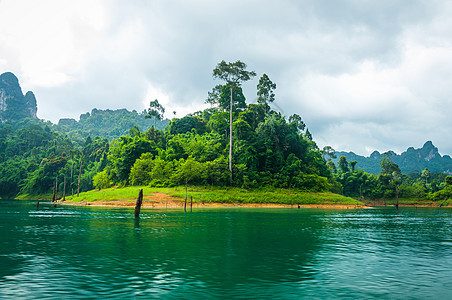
14,105
411,160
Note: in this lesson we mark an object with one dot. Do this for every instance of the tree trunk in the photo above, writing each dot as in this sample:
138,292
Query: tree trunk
138,204
72,166
397,197
72,174
80,173
191,203
230,136
64,189
54,196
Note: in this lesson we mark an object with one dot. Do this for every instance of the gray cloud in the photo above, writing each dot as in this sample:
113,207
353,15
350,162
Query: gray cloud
364,75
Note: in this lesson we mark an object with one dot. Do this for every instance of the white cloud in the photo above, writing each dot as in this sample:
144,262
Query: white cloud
47,40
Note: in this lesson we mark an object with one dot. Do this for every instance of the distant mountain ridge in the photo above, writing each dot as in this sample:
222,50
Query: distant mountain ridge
107,123
14,105
411,160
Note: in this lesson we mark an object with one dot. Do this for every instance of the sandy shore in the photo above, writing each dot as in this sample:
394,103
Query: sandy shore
162,201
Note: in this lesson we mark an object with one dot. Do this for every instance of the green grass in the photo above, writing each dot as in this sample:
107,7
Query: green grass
111,194
234,195
219,195
34,197
410,201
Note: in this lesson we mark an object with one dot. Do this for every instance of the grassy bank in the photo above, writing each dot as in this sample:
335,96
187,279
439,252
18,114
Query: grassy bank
219,195
409,202
34,197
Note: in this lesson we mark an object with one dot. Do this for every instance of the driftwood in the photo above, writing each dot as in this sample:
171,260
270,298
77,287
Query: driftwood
138,204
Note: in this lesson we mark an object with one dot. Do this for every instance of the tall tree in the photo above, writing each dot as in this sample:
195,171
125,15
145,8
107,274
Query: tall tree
265,94
425,174
352,165
343,164
233,74
388,166
219,98
238,99
331,165
391,169
213,97
328,151
187,171
155,111
448,180
298,121
396,180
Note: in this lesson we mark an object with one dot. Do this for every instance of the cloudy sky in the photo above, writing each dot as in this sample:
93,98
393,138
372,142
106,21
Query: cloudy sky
364,75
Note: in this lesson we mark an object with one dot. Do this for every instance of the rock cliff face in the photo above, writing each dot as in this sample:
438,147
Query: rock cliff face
14,105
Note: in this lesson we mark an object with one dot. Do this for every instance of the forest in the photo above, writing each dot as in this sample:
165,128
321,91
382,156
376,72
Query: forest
231,143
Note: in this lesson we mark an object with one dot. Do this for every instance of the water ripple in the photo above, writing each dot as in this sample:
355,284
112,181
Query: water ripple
87,252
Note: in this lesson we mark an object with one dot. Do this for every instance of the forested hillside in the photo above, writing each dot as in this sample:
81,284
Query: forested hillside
110,124
412,160
268,149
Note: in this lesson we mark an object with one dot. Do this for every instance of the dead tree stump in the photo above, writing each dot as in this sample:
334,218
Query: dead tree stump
138,204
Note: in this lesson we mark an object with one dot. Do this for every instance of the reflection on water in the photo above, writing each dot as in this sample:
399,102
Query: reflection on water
264,253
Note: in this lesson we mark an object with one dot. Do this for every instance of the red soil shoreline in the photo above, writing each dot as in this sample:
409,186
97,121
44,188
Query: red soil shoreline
161,201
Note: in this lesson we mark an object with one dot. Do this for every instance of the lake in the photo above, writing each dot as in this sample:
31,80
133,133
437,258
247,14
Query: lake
89,252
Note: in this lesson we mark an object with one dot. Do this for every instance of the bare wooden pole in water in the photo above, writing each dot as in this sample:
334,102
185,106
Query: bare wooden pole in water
138,204
185,205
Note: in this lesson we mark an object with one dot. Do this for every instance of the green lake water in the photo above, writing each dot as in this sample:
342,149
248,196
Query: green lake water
88,252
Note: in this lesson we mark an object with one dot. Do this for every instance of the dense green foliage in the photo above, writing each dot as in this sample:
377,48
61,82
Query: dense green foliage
431,186
267,151
110,124
33,158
